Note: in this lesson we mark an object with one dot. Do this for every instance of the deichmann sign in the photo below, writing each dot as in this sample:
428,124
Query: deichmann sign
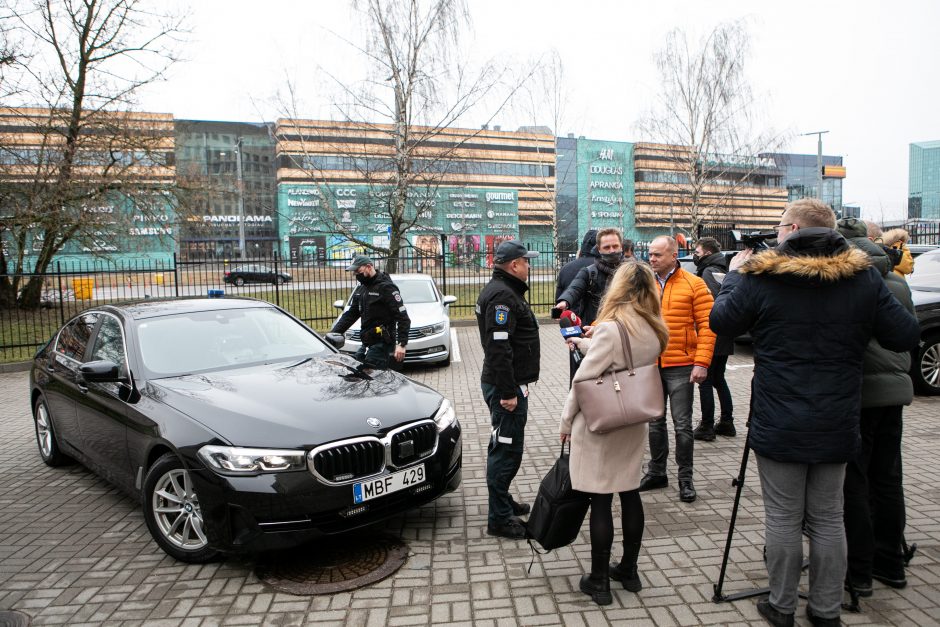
310,211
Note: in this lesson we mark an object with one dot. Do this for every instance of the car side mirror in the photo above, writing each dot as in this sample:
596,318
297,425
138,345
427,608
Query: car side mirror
101,371
450,300
339,304
336,340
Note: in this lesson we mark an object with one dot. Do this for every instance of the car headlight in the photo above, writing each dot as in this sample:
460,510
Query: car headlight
232,460
437,328
445,416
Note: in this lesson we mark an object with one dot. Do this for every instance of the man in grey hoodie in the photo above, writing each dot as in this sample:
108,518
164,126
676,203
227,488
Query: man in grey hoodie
873,492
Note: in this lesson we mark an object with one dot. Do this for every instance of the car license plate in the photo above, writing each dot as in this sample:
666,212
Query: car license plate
388,484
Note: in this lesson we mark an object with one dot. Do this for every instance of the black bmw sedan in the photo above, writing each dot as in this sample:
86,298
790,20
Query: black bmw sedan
240,429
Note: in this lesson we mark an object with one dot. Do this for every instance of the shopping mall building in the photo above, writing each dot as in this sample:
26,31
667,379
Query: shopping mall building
317,190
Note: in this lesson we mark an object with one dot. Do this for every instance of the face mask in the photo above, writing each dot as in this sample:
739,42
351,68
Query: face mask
612,258
696,259
362,278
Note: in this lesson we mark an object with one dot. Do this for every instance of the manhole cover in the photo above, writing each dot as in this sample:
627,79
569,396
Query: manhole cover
13,619
335,565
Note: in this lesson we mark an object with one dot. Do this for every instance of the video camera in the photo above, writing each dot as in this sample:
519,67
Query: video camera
755,241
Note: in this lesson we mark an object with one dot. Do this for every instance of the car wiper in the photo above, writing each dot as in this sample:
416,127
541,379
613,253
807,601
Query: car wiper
299,363
358,371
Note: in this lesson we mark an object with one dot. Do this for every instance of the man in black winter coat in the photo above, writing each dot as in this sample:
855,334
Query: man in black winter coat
586,256
874,491
509,333
385,321
811,305
712,265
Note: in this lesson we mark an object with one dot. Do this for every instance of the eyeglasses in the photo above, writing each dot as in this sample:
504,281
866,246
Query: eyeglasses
783,226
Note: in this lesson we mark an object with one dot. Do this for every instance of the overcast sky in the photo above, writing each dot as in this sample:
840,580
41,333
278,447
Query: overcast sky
865,71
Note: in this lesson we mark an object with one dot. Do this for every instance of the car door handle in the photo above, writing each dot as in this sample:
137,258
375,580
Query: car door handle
50,369
82,388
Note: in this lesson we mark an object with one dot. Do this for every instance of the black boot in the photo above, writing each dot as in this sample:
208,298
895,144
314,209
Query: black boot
597,584
625,572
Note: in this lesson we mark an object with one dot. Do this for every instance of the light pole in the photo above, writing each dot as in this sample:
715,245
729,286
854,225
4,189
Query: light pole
239,188
819,177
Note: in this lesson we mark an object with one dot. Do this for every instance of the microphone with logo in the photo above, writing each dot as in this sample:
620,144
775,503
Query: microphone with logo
570,325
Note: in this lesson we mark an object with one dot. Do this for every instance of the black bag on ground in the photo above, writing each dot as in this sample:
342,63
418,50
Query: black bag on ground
559,510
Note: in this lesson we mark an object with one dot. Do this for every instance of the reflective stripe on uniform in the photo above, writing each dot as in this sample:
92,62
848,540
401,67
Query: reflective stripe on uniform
500,335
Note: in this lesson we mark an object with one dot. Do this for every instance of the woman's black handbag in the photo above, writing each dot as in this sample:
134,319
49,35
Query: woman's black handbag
559,510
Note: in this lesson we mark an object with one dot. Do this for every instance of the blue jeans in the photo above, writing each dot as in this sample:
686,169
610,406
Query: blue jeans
678,391
375,356
716,382
504,453
795,494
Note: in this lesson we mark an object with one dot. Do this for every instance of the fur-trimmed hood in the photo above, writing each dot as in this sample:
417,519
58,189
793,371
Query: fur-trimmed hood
892,237
816,255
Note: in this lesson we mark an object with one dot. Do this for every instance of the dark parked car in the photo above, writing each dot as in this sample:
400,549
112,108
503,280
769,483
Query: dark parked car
255,273
925,289
239,428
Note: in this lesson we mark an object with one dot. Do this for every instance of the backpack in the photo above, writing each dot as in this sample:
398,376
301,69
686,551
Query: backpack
558,511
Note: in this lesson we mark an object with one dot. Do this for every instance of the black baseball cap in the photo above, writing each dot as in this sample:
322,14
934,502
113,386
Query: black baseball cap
511,249
359,261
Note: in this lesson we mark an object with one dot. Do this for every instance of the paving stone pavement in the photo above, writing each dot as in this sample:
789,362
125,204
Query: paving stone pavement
75,551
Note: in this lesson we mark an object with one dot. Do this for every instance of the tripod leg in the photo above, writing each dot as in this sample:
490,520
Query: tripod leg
738,482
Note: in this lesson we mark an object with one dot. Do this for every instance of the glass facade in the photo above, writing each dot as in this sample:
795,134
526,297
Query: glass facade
923,200
467,221
605,186
208,158
801,181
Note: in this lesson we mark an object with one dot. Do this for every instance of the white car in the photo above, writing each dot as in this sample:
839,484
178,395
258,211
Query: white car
429,310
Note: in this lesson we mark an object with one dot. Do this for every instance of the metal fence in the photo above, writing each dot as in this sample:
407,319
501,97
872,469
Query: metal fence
309,287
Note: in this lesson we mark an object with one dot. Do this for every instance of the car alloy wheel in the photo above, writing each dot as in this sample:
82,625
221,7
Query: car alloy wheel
45,436
929,365
239,281
173,513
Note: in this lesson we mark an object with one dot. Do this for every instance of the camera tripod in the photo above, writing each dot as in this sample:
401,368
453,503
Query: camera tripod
719,596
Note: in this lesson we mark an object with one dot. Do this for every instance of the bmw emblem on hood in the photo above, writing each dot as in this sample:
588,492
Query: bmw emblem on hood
375,423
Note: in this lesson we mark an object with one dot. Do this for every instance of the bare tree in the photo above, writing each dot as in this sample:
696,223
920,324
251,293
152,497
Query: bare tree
706,114
547,96
417,91
81,146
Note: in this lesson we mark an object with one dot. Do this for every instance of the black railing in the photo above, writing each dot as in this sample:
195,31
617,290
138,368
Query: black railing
308,289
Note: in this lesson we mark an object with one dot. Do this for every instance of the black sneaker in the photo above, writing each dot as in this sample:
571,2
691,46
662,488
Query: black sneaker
653,482
895,580
686,491
704,432
725,428
511,529
519,509
819,621
773,615
861,588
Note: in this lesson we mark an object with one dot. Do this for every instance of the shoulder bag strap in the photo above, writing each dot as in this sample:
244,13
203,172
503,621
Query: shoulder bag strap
625,342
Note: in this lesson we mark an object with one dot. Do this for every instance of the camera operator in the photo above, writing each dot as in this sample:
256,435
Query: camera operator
811,305
874,494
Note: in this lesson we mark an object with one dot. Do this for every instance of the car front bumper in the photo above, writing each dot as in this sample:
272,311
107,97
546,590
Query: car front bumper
283,510
422,350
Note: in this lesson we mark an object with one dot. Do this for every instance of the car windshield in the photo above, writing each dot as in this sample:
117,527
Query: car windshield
415,291
208,340
926,271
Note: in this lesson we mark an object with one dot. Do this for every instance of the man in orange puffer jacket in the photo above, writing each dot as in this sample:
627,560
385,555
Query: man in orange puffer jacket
686,304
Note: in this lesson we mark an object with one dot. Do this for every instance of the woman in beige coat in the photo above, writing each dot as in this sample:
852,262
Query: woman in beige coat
608,463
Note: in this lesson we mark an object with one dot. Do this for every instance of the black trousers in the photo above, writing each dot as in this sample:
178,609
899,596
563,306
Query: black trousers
874,498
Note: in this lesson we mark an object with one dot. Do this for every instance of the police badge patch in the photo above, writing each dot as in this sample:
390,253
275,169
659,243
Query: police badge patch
502,314
397,296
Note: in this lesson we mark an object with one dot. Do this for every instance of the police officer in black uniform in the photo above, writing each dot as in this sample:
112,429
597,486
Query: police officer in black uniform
378,302
510,336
